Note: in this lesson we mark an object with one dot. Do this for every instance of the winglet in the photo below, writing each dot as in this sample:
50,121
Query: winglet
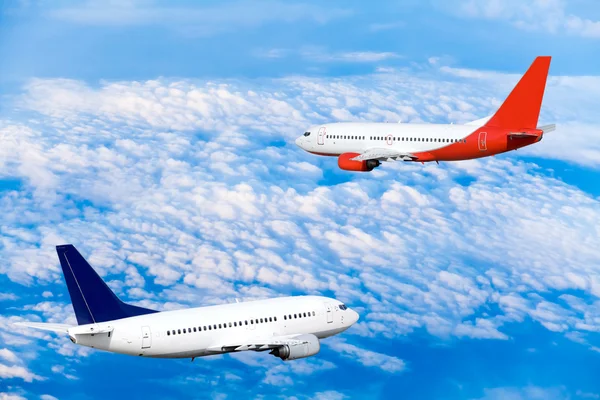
58,328
521,109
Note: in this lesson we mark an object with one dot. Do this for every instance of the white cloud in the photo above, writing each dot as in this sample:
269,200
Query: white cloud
377,27
11,396
366,357
7,296
329,395
545,15
9,356
170,191
60,369
526,393
195,21
17,371
320,55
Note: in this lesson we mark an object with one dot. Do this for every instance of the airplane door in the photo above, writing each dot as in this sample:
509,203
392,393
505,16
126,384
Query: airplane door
146,337
482,141
321,136
329,312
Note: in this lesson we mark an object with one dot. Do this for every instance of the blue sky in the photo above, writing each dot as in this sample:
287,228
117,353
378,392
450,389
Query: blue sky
158,138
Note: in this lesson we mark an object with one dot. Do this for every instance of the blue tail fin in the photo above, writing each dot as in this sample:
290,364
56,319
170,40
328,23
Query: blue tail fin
92,300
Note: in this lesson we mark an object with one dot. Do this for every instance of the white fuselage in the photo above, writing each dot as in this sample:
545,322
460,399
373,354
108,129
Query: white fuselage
207,328
339,138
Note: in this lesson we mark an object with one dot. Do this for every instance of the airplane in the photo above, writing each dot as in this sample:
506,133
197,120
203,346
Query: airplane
363,146
288,327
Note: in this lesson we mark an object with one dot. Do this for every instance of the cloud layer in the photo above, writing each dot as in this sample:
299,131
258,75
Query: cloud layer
186,193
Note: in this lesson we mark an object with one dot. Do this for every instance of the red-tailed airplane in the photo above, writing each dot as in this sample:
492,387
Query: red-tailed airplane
362,146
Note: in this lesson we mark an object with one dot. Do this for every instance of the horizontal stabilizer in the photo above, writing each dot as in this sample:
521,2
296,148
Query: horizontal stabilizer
547,128
59,328
91,329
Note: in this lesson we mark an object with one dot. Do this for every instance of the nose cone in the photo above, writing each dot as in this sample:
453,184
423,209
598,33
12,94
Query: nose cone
353,317
300,142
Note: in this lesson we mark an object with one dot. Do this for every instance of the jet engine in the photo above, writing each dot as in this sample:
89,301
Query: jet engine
309,347
345,163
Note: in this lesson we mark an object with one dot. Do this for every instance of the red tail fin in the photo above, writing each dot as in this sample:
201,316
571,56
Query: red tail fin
521,108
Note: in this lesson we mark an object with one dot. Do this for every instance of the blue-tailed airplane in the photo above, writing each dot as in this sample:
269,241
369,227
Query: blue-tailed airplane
287,327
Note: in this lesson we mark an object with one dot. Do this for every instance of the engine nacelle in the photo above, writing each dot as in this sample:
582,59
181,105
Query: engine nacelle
309,347
345,163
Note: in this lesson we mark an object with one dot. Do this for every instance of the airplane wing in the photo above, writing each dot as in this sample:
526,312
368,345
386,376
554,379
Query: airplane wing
384,155
59,328
259,344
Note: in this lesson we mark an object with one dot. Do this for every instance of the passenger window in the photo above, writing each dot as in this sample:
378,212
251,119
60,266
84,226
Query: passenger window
194,329
290,316
209,328
234,323
285,317
295,316
246,322
313,313
230,324
261,320
252,322
168,333
179,331
275,319
270,319
304,315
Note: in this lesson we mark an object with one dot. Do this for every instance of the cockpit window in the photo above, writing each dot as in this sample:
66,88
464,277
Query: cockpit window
343,307
306,133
